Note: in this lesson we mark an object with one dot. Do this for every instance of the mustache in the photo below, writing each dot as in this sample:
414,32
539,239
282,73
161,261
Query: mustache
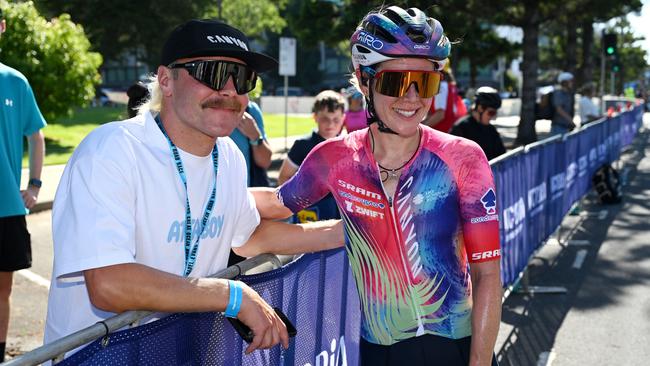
222,103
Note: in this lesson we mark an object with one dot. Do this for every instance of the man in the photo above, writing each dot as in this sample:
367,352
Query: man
149,206
476,125
19,117
562,121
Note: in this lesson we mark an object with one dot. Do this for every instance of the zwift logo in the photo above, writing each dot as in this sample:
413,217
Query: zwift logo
335,357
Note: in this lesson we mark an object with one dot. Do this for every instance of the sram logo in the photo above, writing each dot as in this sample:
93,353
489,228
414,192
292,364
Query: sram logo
487,254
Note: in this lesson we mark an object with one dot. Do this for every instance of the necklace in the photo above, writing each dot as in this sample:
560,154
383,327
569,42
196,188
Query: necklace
386,173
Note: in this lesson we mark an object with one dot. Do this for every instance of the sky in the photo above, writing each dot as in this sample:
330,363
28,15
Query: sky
641,24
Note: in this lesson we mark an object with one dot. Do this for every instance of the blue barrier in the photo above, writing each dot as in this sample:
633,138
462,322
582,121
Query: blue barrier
317,292
536,187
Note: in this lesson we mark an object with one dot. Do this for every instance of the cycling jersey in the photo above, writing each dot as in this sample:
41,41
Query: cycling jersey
409,254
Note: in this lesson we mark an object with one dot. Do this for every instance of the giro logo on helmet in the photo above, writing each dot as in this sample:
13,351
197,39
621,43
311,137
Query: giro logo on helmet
421,47
370,40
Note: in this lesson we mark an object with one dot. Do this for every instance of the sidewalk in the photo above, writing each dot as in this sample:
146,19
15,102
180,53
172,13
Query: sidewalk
51,174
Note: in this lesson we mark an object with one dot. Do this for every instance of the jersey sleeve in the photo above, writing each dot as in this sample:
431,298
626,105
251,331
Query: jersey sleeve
93,215
478,204
309,184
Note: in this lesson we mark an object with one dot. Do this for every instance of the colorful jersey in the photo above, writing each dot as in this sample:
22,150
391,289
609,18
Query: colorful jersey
410,255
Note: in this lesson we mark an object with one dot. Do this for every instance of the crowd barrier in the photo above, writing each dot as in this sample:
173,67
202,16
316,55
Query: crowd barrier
536,186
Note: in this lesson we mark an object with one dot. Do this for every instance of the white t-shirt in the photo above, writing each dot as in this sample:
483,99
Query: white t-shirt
121,200
587,108
440,100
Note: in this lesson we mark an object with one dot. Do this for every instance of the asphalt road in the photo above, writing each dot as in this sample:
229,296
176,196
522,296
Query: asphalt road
602,319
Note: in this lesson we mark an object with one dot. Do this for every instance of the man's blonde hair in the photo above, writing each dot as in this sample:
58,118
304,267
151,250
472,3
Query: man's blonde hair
154,103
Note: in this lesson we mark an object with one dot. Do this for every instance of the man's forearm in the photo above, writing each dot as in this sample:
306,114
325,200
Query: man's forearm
133,286
486,315
262,155
36,143
282,238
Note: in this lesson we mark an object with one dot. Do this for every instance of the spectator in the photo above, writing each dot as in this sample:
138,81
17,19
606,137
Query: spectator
19,118
328,112
250,138
476,125
448,106
123,228
563,101
355,117
138,94
589,112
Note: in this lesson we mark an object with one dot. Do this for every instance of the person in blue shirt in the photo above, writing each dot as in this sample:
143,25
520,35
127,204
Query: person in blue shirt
250,138
19,117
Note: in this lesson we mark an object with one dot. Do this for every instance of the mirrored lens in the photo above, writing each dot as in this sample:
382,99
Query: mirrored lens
215,74
397,83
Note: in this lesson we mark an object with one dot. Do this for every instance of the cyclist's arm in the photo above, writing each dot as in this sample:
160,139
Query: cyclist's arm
486,311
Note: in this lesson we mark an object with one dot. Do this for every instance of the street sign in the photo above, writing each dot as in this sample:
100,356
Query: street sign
287,56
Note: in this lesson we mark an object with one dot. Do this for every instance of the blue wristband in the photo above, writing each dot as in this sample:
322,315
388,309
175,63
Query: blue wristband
234,301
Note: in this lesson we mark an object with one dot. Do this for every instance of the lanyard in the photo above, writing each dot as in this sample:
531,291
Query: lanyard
191,250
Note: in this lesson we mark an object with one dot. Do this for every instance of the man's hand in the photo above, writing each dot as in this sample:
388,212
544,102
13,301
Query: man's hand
248,127
267,327
30,196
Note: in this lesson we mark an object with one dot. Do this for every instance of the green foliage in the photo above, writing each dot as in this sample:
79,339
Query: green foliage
251,16
140,28
54,57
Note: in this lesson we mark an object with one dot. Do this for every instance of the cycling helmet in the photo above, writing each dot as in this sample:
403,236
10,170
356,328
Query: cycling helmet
487,97
395,33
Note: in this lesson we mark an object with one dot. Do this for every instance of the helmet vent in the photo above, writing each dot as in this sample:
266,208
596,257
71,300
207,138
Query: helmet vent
416,36
381,33
394,17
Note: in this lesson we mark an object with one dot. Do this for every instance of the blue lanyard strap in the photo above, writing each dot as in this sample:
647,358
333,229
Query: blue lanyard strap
191,250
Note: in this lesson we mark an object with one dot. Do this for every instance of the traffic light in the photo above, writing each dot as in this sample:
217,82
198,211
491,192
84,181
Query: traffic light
609,44
616,65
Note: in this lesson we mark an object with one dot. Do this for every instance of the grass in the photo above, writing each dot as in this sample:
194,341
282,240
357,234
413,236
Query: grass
63,136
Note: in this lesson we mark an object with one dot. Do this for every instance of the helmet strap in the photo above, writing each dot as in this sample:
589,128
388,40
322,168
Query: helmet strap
371,114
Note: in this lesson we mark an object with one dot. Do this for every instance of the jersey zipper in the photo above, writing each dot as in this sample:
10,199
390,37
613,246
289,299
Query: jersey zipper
396,230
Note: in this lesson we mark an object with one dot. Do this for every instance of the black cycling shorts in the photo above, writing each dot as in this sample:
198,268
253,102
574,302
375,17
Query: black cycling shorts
15,244
429,350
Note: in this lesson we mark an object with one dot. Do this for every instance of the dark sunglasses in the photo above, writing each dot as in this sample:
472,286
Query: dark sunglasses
396,83
215,73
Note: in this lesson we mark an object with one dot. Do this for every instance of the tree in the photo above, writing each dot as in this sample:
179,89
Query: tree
54,55
139,28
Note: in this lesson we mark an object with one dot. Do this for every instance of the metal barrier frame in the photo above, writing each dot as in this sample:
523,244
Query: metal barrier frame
56,350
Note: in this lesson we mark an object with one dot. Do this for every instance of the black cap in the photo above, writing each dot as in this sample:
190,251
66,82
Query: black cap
197,38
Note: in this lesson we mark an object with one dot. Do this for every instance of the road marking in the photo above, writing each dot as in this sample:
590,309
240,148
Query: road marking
546,358
41,281
580,258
